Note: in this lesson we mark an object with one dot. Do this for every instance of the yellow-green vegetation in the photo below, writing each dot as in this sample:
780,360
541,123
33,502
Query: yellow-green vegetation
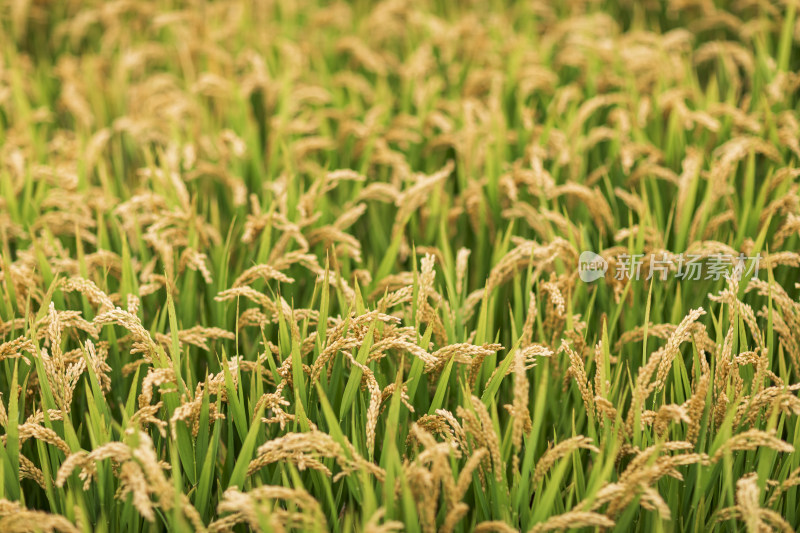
308,266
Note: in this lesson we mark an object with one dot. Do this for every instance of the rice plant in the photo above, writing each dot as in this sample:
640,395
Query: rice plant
412,265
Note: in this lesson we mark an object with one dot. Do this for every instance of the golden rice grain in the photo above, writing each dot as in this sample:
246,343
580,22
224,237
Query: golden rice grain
573,519
751,440
556,452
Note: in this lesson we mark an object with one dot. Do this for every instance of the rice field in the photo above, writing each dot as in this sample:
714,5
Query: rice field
413,265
